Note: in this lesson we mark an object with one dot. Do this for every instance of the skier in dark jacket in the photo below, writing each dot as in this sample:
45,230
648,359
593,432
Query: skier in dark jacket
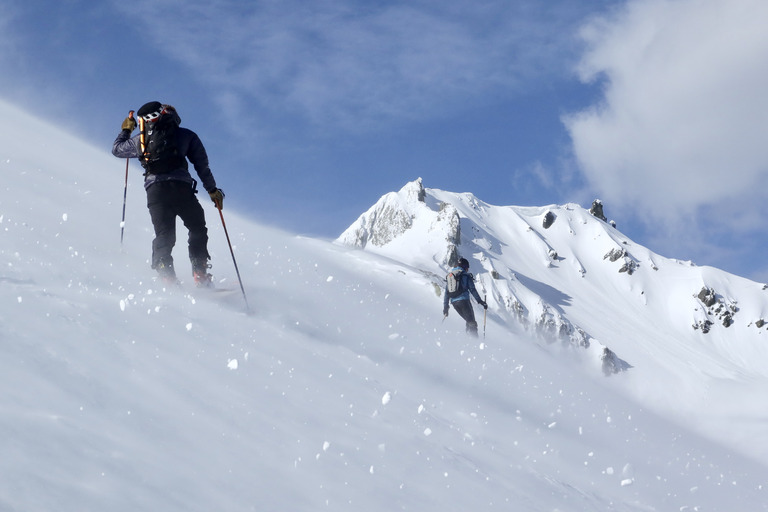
462,304
163,147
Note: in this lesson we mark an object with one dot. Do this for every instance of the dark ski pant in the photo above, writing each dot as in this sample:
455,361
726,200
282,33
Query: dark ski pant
465,311
166,201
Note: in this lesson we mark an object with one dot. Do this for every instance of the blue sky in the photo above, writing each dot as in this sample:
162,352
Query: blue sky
311,111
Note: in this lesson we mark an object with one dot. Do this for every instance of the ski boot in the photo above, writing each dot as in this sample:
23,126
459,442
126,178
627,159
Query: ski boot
166,274
200,273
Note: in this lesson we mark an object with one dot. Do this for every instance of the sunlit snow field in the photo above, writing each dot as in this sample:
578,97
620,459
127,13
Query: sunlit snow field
344,389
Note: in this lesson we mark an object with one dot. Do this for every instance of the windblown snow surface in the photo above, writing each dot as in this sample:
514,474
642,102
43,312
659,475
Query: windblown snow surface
345,389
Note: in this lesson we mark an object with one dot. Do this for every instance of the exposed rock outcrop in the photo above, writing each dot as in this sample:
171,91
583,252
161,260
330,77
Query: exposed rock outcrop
716,307
630,264
549,219
707,296
389,218
612,363
704,325
597,210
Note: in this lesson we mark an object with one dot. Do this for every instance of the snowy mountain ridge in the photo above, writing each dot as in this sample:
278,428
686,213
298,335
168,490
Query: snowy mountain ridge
346,390
546,266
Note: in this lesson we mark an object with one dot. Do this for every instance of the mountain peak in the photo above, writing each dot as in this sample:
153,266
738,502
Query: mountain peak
550,269
397,215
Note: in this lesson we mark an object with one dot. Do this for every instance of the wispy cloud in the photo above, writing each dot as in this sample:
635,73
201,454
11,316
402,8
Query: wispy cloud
680,131
8,36
358,63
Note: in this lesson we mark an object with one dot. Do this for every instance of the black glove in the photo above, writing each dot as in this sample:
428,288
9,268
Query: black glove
129,124
445,311
484,304
217,196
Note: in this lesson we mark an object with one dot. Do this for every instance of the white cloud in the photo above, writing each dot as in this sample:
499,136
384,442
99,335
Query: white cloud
681,127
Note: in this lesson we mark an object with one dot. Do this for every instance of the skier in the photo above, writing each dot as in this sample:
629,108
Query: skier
461,303
163,148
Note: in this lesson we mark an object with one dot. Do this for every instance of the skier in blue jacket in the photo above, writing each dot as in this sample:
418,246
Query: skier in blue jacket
461,303
163,150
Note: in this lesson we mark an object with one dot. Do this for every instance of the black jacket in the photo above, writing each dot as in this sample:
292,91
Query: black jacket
189,145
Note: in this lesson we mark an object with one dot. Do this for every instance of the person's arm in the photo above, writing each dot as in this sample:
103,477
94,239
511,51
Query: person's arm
473,291
125,146
199,158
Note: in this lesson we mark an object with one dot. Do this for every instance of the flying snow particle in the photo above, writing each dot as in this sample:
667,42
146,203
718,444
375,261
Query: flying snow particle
326,445
628,472
189,326
64,217
232,364
386,398
427,431
122,305
330,278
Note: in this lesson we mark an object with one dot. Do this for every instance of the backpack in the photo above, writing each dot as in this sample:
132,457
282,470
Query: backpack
455,286
159,153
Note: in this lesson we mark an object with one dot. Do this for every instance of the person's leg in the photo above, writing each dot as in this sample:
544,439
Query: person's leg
163,215
193,216
465,311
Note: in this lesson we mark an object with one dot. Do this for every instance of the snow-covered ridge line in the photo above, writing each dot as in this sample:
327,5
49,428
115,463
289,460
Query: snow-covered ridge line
550,269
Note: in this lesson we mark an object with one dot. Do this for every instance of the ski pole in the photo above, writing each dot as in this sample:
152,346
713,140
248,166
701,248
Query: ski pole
224,225
485,313
125,193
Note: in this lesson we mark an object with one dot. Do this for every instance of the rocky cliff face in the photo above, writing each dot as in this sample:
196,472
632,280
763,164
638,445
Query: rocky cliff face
390,217
393,216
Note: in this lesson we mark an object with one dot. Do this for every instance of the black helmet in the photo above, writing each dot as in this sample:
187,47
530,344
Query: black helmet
463,263
153,107
155,111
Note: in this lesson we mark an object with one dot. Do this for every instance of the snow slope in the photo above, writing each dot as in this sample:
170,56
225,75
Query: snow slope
344,391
